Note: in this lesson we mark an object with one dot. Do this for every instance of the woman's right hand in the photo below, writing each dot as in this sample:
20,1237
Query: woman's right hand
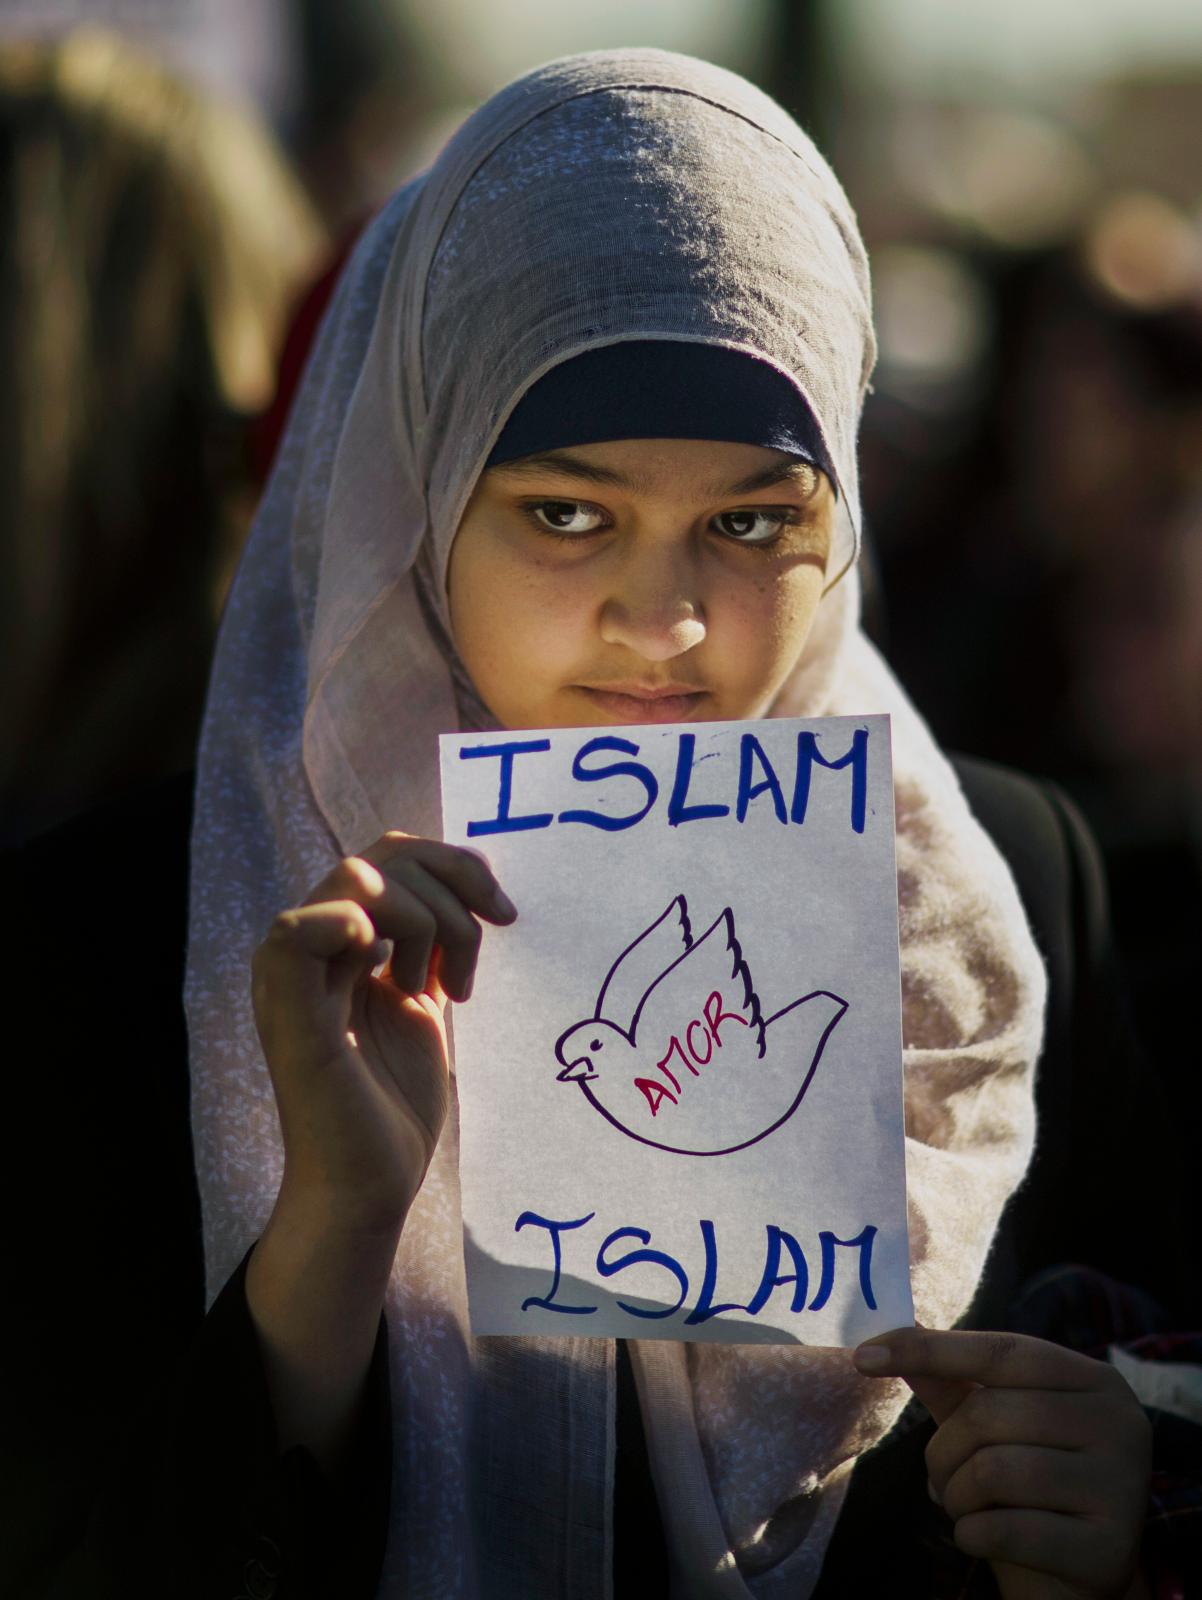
359,1063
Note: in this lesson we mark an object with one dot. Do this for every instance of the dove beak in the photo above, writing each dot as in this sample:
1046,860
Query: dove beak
576,1071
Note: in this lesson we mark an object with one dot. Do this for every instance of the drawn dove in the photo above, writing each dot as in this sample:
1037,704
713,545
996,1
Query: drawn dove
678,1053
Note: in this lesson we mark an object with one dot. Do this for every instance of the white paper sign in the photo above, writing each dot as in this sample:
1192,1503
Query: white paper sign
680,1069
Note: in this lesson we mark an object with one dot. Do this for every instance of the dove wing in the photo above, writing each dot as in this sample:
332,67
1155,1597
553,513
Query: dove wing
641,963
710,984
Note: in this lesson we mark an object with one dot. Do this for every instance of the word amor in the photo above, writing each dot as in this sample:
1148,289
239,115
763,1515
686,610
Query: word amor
710,1032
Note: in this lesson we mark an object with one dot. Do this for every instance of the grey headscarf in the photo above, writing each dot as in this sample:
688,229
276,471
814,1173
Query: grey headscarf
608,196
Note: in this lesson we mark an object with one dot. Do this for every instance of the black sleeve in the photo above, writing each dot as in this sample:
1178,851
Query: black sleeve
138,1450
178,1488
199,1478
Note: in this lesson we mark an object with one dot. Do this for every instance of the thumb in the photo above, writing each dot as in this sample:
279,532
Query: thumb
941,1396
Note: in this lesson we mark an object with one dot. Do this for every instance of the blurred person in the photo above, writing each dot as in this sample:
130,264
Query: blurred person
1079,452
153,240
1058,505
371,106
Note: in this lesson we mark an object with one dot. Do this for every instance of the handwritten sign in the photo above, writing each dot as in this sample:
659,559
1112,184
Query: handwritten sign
680,1070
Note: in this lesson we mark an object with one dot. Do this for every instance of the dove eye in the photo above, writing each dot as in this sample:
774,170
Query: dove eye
596,1045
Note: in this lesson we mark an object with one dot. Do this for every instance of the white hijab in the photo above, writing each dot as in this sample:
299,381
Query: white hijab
607,196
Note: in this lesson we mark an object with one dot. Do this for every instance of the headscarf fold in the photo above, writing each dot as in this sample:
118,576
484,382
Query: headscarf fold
608,196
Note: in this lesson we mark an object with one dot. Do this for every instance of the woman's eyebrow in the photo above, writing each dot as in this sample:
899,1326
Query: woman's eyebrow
789,470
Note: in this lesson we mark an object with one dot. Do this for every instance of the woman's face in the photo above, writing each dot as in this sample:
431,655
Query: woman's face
647,580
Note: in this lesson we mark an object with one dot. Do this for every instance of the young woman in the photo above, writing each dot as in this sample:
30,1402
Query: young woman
576,446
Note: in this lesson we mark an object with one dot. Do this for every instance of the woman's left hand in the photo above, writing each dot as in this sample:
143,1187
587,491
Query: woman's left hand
1042,1457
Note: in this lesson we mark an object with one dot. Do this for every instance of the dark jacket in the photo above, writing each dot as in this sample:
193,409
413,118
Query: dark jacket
138,1438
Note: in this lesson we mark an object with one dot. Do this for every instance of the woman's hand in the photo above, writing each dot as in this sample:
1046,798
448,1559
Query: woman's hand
1042,1457
359,1063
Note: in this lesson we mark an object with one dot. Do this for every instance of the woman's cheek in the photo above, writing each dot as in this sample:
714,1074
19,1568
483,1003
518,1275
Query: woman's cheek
796,604
538,647
773,618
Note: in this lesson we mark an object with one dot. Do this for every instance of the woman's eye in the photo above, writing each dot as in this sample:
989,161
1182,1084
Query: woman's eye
753,527
565,517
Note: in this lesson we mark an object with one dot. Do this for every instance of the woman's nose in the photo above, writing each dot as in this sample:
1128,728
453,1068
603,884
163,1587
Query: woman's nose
654,609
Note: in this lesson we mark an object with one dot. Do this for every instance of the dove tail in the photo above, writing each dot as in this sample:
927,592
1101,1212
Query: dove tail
815,994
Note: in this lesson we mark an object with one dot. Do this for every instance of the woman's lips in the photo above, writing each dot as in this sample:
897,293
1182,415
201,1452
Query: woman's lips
646,705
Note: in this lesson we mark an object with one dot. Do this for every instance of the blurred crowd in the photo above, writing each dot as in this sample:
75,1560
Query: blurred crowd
1032,450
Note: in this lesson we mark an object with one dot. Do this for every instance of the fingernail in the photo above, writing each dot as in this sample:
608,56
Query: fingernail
934,1493
872,1357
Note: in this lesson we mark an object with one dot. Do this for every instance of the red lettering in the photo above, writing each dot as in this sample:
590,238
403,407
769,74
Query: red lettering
715,1017
655,1093
710,1034
693,1050
674,1049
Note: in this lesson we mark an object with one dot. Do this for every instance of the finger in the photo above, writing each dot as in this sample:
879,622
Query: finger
465,872
456,934
999,1360
942,1399
1027,1477
1075,1421
413,910
354,878
297,938
413,929
1077,1550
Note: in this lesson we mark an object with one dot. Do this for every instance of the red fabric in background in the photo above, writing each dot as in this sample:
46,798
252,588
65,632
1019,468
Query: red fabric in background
268,429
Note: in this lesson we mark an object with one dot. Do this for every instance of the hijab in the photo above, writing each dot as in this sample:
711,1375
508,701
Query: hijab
610,196
661,389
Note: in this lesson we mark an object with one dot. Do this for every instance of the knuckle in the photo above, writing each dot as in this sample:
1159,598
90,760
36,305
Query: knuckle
281,932
991,1472
985,1534
960,1495
975,1411
390,849
945,1452
361,877
423,923
276,943
999,1347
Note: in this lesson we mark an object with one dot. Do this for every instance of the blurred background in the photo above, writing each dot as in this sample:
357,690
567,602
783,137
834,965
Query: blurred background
182,177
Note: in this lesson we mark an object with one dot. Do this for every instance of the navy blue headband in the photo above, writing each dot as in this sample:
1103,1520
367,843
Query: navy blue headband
661,389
